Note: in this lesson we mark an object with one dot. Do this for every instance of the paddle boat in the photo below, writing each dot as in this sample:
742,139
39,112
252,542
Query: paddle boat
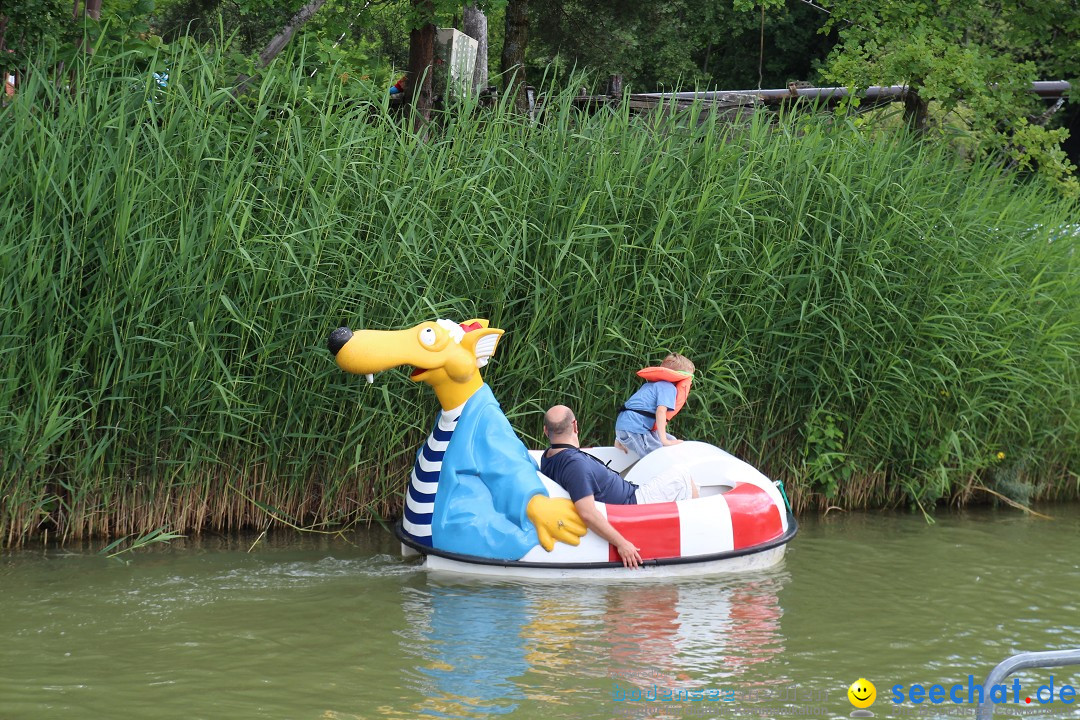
477,503
739,523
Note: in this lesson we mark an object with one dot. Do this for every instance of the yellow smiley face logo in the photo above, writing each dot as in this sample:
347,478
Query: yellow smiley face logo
862,693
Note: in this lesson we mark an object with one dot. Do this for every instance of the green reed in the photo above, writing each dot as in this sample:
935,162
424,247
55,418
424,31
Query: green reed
873,321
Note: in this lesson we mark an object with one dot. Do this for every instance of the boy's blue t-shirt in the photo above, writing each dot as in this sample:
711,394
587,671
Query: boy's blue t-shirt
649,396
582,476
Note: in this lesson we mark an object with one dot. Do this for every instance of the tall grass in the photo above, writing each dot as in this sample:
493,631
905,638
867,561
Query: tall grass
873,322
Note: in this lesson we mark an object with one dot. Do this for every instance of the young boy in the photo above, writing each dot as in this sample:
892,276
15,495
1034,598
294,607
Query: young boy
641,426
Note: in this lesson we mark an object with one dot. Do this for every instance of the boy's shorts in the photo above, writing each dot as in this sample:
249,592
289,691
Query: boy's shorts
639,444
668,486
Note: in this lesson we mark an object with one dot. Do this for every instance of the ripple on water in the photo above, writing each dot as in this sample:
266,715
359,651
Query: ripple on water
274,574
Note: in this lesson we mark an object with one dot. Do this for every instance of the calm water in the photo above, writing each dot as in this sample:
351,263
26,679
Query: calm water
324,629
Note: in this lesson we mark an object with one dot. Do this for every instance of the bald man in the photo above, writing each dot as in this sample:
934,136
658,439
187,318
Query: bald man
589,481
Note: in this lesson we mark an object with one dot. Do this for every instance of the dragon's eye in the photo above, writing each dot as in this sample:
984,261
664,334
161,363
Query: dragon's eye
428,336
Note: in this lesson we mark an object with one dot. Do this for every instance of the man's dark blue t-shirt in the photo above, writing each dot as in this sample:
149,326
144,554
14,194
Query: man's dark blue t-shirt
583,475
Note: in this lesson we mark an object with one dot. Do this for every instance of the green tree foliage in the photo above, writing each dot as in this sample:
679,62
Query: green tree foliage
788,45
251,23
681,43
971,63
384,29
26,24
29,28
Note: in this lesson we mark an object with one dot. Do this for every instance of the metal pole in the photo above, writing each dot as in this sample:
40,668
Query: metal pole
1023,661
1050,89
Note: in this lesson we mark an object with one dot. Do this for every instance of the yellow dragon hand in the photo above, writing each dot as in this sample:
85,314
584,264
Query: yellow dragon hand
555,519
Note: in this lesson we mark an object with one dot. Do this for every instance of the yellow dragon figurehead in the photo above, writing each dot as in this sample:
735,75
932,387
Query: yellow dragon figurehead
444,354
448,357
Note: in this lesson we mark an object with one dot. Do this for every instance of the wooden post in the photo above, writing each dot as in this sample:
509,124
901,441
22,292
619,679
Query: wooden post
614,87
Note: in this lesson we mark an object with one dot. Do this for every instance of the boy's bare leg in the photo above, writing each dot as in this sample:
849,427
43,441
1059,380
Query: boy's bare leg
620,446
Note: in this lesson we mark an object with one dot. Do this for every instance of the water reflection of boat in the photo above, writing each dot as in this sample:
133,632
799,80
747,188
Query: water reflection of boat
468,643
496,648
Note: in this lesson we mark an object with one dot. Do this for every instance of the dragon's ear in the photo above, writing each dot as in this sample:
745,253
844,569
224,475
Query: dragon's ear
481,343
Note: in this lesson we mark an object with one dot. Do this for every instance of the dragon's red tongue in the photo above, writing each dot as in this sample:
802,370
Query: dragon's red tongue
415,372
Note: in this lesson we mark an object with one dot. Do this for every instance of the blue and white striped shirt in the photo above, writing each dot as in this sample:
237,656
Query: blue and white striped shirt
424,479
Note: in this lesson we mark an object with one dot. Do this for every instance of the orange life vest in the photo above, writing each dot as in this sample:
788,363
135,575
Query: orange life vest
681,380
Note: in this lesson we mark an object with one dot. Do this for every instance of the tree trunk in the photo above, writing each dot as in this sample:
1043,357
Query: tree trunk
513,54
279,41
915,111
421,60
285,35
90,7
476,27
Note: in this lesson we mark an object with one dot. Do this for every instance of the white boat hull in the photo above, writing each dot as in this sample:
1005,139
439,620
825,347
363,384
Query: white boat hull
740,564
739,524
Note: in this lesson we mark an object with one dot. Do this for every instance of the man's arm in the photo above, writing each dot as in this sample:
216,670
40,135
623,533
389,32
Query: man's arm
599,524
